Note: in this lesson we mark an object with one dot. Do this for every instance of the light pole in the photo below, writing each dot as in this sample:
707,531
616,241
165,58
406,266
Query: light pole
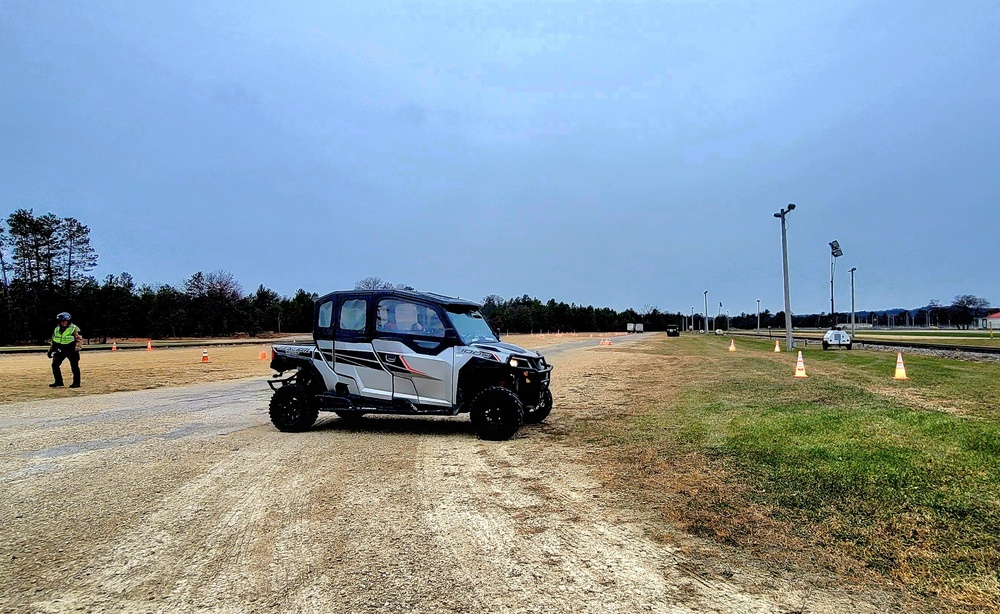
853,268
835,252
692,319
727,320
706,312
784,268
758,316
715,323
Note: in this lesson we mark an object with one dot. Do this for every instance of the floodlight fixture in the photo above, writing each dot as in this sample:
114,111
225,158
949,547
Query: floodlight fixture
835,252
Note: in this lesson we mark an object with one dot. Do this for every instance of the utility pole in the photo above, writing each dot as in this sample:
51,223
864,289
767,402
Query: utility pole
758,316
706,312
784,268
852,300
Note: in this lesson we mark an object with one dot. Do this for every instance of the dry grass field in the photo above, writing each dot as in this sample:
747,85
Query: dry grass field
27,376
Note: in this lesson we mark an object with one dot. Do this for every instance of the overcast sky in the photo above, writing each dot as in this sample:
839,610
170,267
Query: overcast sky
614,154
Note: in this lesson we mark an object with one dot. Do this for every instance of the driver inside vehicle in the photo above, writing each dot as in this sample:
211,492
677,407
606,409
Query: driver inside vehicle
430,324
386,318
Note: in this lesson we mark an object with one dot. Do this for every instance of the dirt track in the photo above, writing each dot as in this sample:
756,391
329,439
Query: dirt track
187,499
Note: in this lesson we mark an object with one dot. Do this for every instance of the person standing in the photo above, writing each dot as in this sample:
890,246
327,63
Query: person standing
66,343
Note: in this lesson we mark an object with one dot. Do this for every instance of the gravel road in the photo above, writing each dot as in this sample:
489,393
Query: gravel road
187,499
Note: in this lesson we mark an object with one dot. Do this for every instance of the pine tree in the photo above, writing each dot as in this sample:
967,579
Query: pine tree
76,257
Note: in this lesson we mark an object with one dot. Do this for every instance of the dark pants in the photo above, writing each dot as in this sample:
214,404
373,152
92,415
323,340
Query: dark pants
74,364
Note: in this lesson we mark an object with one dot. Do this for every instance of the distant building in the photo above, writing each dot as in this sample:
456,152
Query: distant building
987,322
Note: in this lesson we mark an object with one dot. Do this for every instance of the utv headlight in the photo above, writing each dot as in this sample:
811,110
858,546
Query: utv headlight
514,362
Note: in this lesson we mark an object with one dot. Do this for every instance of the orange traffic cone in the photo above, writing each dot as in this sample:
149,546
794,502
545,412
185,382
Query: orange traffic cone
263,352
777,348
149,345
800,367
114,346
732,345
204,356
900,369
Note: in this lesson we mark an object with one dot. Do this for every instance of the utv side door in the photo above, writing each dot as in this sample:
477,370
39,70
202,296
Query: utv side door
323,335
354,356
412,342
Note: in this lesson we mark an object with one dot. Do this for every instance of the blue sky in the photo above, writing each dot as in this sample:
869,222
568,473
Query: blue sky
614,154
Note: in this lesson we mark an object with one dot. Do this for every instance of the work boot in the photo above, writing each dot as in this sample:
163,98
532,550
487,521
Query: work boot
75,385
56,385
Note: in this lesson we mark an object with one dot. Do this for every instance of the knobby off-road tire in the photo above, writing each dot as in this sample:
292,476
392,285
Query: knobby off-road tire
292,409
496,414
541,411
826,346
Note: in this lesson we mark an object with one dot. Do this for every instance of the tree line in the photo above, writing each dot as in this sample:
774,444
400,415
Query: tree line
46,262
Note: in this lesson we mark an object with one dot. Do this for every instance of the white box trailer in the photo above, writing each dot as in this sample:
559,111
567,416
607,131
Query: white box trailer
629,328
638,328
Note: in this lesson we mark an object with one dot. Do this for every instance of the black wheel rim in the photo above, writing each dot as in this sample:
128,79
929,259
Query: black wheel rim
290,412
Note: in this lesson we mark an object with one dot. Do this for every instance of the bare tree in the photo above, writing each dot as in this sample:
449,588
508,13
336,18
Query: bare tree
215,298
966,308
932,306
373,283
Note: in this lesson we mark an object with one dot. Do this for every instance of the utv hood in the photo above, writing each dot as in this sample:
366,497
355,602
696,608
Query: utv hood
506,348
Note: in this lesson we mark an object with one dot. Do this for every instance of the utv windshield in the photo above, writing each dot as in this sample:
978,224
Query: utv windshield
471,327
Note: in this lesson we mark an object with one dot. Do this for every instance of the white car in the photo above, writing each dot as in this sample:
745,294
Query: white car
836,338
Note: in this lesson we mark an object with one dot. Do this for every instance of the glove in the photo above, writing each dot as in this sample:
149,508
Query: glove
49,353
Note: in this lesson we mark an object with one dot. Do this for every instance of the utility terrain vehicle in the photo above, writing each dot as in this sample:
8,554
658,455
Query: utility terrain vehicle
836,337
405,352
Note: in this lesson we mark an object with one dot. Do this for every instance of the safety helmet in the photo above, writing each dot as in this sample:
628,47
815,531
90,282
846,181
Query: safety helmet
64,316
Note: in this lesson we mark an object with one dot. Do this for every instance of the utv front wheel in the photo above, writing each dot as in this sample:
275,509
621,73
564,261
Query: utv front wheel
541,411
496,414
292,409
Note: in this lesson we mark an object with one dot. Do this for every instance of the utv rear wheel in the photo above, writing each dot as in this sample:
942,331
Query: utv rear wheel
826,346
292,409
541,411
496,414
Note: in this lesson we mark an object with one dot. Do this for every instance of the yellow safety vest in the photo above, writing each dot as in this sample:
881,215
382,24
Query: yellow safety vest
66,337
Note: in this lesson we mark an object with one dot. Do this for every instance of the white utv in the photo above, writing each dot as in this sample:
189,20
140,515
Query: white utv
405,352
836,338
